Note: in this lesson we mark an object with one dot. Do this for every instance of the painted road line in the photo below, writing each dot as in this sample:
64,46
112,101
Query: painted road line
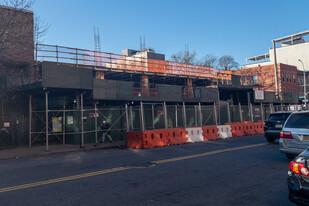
206,154
63,179
100,172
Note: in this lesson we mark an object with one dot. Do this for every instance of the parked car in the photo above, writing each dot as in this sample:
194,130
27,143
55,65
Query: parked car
294,137
298,179
273,125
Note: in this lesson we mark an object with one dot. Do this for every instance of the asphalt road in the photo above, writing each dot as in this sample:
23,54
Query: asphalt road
236,171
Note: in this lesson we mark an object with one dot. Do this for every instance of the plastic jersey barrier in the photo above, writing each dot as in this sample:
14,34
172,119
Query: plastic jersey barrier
237,130
224,131
248,129
177,136
134,140
154,138
210,133
195,134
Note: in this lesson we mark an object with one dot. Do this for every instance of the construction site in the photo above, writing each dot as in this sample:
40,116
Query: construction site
65,95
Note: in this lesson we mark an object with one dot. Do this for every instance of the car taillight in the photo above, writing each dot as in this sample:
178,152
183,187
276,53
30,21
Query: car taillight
299,168
286,135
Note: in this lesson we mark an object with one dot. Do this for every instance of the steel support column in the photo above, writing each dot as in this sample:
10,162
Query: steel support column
63,121
176,117
96,121
30,120
195,115
262,112
229,113
251,111
142,116
46,120
240,113
82,144
131,118
184,114
2,113
215,113
165,115
127,118
152,114
200,114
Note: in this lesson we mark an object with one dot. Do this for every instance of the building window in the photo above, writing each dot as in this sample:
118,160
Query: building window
295,91
283,89
283,76
255,79
298,81
294,79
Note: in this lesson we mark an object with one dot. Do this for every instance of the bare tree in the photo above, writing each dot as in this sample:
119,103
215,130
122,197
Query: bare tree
185,57
209,60
227,62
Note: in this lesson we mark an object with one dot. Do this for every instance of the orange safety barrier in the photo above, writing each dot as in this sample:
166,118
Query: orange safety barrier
177,136
210,133
154,138
248,129
134,140
259,128
237,130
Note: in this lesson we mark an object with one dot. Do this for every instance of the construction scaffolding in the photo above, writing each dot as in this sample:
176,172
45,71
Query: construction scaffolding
81,124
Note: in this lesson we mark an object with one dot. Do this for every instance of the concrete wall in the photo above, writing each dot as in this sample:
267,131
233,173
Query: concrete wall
121,90
62,76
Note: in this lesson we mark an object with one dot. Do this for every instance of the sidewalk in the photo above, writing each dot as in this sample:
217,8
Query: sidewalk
22,152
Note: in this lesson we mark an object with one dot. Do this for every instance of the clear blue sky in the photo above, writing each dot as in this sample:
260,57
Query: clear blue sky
241,28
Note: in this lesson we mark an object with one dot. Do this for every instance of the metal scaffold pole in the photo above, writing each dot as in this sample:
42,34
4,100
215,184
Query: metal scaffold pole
63,120
200,114
262,112
131,117
195,115
30,120
229,112
96,121
215,113
127,118
165,115
46,120
184,114
176,117
2,113
251,111
82,145
152,111
142,116
240,113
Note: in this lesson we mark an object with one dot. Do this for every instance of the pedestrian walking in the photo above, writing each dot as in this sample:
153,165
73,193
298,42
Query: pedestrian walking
105,127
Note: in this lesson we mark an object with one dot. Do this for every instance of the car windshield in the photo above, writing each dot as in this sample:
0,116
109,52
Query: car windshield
300,120
275,117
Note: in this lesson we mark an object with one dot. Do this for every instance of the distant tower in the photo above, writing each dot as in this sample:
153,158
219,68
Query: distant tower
97,40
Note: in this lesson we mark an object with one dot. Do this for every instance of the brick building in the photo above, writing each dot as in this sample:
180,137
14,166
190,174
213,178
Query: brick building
16,39
264,78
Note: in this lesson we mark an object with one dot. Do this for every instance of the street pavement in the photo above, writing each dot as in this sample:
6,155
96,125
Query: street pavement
235,171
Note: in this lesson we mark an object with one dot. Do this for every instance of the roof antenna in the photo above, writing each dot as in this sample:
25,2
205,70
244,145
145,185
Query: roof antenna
140,43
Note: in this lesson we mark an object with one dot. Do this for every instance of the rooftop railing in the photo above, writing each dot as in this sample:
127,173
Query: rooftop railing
103,60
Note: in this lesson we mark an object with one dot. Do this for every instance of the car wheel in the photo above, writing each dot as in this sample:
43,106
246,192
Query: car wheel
290,156
270,140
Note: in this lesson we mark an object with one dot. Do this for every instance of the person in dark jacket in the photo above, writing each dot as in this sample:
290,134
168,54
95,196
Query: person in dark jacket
105,127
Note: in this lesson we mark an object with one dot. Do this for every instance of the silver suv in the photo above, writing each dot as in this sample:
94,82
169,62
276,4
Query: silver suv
294,137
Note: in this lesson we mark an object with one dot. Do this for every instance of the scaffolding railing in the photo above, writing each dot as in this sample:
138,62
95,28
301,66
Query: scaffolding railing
103,60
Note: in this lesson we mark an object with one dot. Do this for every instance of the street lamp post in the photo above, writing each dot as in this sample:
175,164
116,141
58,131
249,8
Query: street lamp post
305,93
